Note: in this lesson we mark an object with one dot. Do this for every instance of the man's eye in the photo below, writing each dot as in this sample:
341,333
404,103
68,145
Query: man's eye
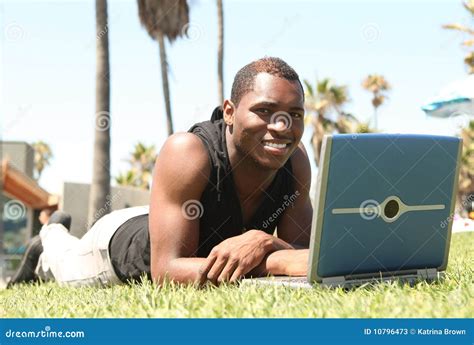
297,115
264,111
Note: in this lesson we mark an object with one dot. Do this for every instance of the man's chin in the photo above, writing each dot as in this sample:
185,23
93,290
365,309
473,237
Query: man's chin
271,164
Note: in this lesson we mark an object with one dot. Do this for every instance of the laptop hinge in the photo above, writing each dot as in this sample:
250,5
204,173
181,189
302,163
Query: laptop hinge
332,281
428,273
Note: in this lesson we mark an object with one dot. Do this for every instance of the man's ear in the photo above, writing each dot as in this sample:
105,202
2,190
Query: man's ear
228,110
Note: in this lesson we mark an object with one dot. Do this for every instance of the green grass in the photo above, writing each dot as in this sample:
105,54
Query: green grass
454,297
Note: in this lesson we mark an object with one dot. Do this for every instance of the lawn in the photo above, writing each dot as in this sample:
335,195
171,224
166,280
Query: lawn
450,298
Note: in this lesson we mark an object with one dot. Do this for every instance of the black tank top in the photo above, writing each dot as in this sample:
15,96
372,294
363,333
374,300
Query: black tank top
222,217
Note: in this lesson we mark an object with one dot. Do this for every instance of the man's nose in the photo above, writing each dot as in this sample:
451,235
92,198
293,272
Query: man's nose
280,125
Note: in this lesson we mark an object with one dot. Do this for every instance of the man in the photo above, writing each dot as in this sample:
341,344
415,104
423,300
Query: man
45,214
26,270
218,193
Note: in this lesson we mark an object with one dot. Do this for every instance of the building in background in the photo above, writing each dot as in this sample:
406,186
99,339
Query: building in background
75,198
22,200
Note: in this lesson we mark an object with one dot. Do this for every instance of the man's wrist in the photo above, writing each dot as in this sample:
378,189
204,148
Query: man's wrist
276,263
271,243
267,241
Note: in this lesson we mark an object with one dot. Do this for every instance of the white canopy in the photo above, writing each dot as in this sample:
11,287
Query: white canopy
455,99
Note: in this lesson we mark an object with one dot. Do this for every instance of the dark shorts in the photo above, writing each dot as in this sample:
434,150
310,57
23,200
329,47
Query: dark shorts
129,249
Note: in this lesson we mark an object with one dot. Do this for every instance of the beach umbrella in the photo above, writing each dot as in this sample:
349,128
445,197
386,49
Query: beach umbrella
456,99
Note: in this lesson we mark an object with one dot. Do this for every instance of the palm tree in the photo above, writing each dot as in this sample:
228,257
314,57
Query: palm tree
220,51
100,187
469,42
142,161
324,104
466,170
164,19
321,101
378,85
43,155
128,178
466,173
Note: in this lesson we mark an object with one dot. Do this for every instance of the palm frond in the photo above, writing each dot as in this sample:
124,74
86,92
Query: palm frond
458,27
168,17
309,88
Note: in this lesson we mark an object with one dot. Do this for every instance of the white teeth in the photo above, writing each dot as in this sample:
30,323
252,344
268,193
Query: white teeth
278,146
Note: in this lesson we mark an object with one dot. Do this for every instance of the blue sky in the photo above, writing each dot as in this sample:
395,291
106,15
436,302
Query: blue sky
48,67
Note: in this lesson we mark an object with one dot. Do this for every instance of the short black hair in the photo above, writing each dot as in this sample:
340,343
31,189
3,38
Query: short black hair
245,77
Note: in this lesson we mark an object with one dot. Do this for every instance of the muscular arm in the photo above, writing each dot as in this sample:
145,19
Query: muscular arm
179,180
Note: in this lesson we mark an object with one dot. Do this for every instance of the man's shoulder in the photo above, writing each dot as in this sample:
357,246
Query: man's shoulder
186,147
183,158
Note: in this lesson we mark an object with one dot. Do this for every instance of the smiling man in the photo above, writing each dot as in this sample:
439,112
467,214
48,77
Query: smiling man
219,191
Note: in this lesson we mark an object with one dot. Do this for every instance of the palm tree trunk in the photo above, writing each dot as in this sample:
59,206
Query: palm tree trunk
99,203
220,51
375,118
317,138
164,78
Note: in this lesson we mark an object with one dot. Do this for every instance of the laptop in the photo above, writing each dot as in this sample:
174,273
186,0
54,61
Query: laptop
384,206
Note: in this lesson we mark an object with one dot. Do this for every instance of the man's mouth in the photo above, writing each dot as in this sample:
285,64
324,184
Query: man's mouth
276,147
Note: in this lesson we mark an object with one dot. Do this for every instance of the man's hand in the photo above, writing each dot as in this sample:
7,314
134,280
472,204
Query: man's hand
236,256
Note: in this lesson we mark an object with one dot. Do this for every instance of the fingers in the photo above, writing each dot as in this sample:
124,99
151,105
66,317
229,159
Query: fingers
238,273
220,267
228,270
216,269
205,268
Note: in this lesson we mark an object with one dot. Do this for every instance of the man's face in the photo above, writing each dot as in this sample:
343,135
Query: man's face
43,217
268,123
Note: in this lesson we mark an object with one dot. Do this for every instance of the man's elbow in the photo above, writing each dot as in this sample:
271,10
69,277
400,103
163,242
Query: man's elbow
161,270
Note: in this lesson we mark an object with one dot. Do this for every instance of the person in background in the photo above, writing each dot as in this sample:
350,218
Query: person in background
45,214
